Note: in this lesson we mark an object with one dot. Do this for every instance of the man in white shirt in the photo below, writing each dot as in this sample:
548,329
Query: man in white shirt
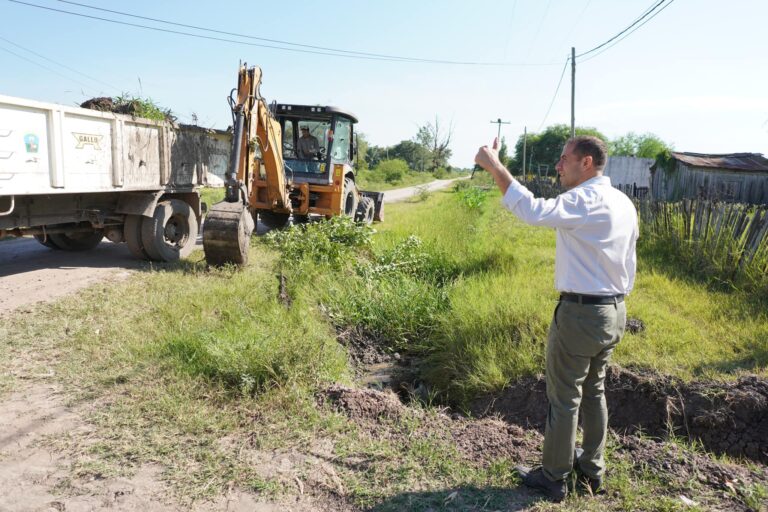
597,230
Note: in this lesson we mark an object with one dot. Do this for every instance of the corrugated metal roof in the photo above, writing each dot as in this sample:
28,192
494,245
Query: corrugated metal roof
754,162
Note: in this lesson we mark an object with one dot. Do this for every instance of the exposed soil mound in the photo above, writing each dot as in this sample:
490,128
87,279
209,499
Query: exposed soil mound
727,418
104,104
478,441
364,405
488,439
683,468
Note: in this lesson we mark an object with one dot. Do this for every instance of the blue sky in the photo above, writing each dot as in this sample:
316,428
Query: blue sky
696,75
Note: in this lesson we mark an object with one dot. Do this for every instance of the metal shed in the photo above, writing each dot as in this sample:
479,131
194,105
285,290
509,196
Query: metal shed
733,177
630,174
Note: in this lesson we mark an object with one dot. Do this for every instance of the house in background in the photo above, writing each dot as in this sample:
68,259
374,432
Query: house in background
734,177
630,174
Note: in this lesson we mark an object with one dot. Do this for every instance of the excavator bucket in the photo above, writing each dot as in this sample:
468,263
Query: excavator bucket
227,234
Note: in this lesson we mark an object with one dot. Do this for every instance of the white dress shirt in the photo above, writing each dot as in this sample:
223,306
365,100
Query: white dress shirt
597,231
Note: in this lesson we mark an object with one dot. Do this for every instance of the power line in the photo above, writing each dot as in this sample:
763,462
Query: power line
247,36
46,68
296,50
60,64
629,33
638,20
554,96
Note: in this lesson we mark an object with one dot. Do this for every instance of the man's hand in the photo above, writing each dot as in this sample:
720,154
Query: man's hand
488,158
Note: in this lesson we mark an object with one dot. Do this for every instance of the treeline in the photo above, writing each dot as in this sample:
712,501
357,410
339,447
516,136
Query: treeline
427,151
543,149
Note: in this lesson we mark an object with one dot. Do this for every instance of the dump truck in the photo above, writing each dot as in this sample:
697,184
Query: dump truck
287,161
71,176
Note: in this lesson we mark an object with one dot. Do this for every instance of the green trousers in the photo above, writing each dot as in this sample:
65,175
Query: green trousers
581,340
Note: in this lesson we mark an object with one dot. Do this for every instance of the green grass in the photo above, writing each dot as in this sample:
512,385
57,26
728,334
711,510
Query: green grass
211,195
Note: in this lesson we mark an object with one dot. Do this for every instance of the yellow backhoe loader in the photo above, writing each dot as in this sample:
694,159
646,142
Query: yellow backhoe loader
287,160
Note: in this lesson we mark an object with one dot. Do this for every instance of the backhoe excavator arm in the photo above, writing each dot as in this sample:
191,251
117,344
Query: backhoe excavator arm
229,224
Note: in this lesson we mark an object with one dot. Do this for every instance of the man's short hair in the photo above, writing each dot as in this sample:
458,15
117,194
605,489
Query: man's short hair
588,145
305,128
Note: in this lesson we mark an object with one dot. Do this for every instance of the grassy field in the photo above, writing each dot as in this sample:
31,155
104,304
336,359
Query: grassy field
205,371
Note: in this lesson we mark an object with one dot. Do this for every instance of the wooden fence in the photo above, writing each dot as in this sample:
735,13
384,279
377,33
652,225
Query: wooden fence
729,236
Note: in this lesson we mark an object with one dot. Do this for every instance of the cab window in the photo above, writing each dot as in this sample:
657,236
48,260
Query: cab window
342,140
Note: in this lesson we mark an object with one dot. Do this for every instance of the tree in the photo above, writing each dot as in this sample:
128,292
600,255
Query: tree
646,145
362,152
544,148
392,170
436,139
417,156
504,153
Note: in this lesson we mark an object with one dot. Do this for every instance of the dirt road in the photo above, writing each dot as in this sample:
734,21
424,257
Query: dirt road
31,273
402,194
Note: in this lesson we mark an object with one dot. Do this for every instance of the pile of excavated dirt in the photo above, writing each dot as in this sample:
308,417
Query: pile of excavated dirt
730,418
478,441
482,441
107,104
680,469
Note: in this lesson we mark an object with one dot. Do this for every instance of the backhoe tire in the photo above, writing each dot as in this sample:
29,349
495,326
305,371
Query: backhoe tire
132,233
170,234
365,211
46,241
77,241
274,220
349,198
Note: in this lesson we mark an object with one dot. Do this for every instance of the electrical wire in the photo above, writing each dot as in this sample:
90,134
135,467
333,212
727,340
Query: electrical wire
247,36
275,47
554,96
88,87
59,64
629,33
638,20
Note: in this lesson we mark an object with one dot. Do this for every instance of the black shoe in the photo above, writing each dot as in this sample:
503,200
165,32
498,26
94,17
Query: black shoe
536,479
593,485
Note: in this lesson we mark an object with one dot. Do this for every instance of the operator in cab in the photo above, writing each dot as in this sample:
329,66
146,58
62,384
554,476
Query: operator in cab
308,146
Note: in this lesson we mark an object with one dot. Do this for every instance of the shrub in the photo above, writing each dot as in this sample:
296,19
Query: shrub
328,242
392,170
473,197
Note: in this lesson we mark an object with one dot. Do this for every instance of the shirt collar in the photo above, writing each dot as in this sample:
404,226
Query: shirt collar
597,180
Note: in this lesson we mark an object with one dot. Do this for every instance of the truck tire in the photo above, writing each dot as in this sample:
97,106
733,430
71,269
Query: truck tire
170,234
349,198
274,220
46,241
365,211
77,241
132,233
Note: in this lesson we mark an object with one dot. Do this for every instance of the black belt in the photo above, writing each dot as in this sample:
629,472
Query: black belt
592,299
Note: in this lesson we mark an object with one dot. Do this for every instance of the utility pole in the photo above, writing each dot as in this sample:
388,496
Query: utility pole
573,92
499,122
525,147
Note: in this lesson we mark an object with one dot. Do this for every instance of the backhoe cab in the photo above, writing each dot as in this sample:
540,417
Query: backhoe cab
287,160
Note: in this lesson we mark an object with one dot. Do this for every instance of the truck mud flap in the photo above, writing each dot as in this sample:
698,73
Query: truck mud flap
378,200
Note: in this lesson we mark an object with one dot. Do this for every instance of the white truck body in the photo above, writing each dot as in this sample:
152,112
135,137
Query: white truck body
64,168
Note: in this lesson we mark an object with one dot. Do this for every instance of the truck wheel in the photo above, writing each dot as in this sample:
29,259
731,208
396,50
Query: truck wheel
132,233
77,241
365,211
170,234
349,199
274,220
46,241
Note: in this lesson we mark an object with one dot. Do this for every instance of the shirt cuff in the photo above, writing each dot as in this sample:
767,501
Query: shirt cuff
514,193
